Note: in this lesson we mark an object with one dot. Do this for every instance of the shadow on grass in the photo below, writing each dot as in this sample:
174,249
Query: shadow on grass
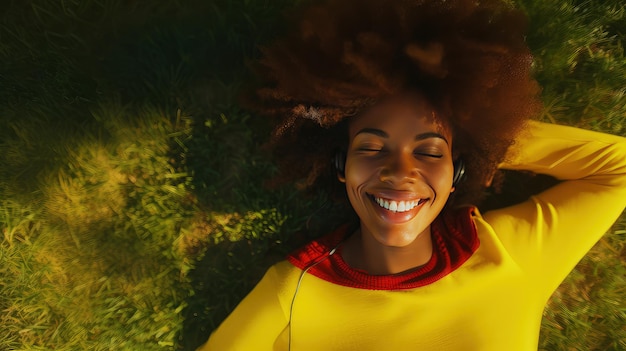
226,273
516,187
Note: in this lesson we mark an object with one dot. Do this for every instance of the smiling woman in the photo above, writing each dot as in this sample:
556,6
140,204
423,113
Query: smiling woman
398,178
424,100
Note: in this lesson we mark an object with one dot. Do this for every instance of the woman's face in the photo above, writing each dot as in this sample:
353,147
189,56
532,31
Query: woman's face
398,171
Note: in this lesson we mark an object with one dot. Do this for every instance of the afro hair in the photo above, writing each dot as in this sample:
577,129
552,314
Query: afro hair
468,58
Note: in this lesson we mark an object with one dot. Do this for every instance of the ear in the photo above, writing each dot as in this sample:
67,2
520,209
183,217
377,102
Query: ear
490,177
341,177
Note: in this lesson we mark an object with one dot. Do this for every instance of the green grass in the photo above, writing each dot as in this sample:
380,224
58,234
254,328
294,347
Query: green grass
132,207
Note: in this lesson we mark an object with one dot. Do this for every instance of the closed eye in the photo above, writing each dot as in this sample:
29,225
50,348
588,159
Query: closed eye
370,147
428,154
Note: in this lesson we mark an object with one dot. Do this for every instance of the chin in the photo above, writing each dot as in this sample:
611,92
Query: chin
396,237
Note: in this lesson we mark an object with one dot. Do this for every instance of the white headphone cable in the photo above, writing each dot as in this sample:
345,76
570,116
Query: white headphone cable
293,300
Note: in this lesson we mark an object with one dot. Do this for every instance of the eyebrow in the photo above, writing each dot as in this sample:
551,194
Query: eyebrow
383,134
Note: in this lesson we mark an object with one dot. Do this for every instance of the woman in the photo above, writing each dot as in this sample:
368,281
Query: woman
418,103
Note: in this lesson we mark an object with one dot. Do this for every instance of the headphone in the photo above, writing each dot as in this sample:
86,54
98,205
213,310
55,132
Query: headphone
339,164
459,171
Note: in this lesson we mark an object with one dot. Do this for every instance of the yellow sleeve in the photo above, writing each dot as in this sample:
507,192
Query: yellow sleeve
550,232
256,323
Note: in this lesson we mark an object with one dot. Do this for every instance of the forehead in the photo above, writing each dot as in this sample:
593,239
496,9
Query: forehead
406,113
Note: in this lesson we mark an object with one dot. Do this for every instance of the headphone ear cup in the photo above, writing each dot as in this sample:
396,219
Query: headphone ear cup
339,162
459,172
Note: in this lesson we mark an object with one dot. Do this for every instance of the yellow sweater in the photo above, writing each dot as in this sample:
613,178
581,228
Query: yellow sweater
493,301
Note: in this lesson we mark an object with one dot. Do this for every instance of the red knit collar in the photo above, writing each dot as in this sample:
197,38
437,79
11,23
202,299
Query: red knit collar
454,241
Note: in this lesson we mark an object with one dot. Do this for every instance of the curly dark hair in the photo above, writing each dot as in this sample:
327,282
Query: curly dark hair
467,57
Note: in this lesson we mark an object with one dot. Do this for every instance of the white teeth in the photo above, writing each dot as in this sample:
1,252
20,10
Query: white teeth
393,206
397,206
401,207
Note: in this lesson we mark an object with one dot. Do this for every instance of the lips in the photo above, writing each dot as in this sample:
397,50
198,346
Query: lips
397,207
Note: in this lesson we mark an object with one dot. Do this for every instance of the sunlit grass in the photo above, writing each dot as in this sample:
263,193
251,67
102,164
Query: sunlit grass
94,255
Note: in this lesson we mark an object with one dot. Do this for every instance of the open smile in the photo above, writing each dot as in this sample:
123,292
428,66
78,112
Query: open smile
397,206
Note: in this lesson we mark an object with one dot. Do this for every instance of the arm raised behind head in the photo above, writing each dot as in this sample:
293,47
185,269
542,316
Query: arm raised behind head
550,232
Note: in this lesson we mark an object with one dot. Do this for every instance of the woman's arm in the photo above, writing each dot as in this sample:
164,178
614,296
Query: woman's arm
256,323
550,232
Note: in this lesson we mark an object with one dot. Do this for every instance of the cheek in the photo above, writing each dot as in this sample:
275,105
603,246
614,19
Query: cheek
442,177
358,175
358,172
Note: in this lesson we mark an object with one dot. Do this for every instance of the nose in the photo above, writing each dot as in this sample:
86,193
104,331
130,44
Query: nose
399,168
